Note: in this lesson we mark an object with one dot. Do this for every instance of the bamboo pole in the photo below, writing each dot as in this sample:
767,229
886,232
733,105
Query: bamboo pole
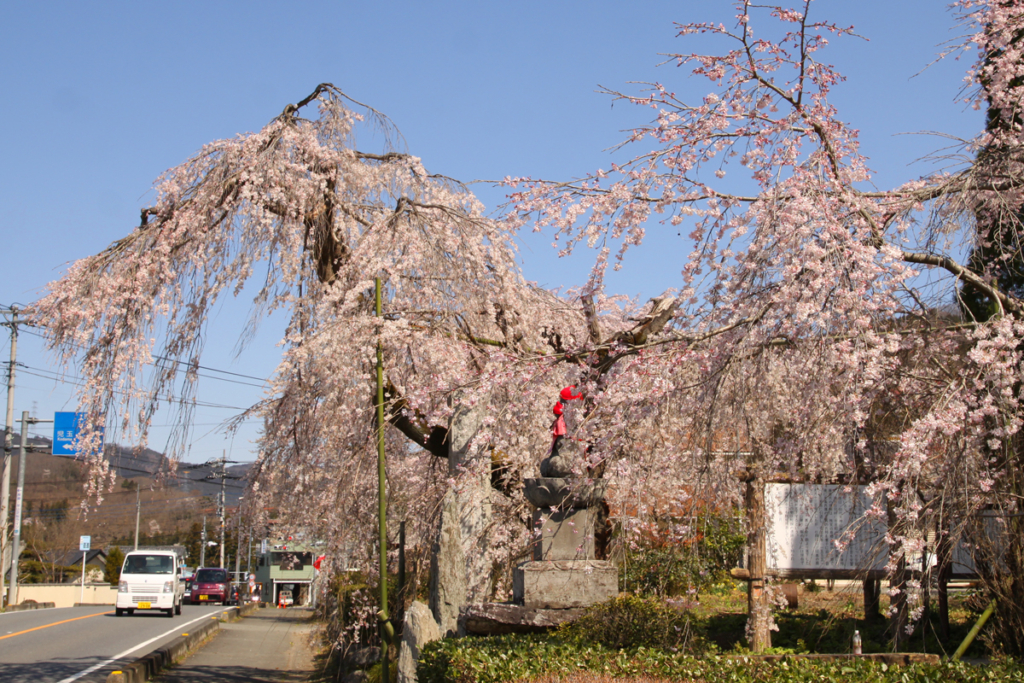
387,630
974,631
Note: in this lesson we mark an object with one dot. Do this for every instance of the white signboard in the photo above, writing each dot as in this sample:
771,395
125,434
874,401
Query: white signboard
806,520
84,542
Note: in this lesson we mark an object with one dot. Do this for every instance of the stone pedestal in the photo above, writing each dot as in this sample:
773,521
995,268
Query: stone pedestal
564,534
564,584
564,573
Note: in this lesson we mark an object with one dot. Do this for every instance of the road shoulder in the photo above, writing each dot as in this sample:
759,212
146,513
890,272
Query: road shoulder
267,645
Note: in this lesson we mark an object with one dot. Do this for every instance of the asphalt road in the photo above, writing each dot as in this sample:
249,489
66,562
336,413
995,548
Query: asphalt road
84,644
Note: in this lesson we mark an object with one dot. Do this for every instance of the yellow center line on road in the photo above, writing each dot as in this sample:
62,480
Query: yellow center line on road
56,623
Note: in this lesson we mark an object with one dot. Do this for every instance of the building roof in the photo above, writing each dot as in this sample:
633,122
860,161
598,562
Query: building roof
94,557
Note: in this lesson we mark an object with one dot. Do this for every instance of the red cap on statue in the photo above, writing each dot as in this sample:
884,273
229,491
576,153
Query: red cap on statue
568,395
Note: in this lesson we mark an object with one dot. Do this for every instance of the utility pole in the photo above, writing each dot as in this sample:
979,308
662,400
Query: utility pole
223,476
202,545
138,513
238,548
5,478
221,502
16,549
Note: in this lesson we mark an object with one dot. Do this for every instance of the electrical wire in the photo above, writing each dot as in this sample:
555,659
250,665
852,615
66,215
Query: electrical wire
181,362
79,382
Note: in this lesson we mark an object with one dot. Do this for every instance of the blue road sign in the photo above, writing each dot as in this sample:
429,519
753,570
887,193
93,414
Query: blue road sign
65,430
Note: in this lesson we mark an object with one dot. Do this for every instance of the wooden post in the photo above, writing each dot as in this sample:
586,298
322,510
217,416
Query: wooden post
758,605
898,609
944,559
872,595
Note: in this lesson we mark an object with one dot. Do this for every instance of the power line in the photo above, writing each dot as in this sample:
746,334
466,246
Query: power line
181,362
79,382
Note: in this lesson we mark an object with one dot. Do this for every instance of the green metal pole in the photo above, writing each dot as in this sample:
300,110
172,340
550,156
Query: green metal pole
386,629
974,631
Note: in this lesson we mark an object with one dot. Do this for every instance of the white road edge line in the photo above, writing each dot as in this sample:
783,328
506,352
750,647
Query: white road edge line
29,611
113,659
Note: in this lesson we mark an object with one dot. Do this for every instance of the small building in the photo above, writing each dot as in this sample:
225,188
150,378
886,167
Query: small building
285,565
95,563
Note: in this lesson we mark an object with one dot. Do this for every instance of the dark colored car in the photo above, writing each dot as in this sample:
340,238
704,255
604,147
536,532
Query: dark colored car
210,584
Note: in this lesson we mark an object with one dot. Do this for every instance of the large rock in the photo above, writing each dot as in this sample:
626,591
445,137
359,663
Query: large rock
448,568
495,618
418,630
564,584
472,473
460,560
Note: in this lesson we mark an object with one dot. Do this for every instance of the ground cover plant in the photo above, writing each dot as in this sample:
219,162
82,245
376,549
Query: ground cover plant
637,637
542,658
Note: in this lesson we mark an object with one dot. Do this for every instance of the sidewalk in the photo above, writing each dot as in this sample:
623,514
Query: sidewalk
268,646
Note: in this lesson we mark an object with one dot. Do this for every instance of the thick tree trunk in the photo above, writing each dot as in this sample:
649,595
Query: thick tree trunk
758,605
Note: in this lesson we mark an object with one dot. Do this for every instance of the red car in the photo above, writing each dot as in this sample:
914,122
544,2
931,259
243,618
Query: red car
210,584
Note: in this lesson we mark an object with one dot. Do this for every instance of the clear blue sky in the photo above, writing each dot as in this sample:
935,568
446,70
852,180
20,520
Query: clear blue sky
99,98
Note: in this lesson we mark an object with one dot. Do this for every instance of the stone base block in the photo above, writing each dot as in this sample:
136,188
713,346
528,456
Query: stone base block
564,534
495,618
564,584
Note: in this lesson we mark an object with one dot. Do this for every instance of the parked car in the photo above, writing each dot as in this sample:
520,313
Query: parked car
285,598
210,585
150,580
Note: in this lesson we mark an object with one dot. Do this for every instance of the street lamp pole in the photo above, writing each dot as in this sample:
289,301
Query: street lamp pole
5,477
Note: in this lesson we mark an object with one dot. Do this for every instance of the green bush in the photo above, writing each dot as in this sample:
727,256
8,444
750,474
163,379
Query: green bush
629,621
509,658
660,567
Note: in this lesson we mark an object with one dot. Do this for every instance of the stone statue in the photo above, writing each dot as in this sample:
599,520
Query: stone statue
564,573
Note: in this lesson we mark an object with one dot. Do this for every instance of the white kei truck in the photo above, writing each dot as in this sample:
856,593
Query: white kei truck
150,580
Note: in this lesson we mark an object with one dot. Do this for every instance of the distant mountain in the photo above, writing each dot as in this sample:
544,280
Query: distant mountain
203,478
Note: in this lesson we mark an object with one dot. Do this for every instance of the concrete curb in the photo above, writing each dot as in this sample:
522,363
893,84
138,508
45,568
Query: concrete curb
25,606
149,665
